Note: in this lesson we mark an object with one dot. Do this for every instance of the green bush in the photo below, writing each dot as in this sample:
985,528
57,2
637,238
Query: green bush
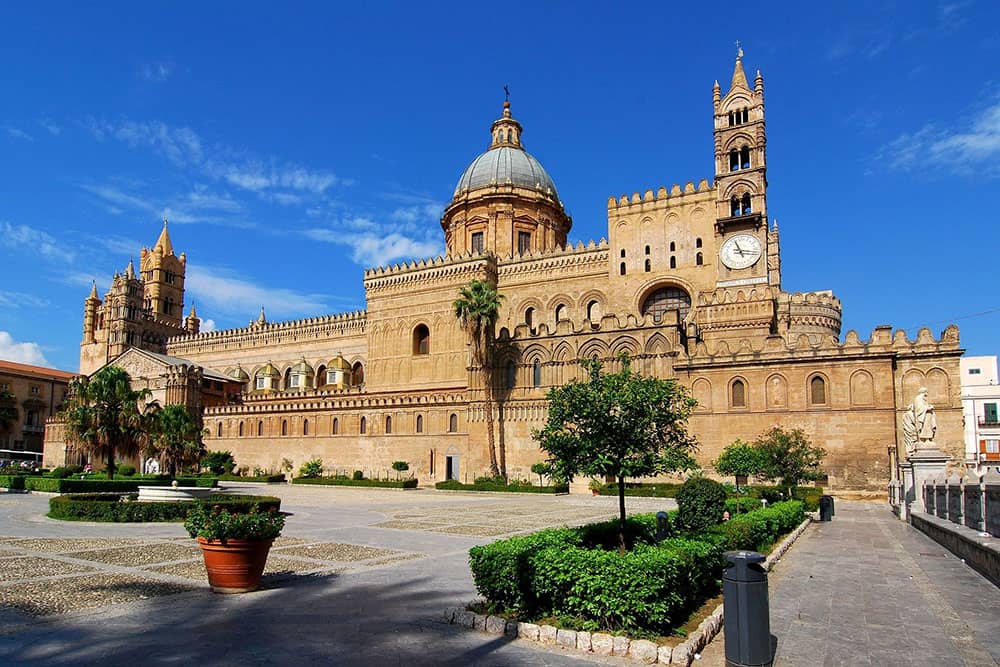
52,485
343,481
220,463
358,476
280,477
59,473
639,529
741,505
759,529
809,495
126,471
455,485
700,503
12,482
641,490
312,468
109,507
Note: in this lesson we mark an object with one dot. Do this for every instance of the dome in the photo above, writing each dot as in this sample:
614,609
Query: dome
303,367
339,363
506,165
240,375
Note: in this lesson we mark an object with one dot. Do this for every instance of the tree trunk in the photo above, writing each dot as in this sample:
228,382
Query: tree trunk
494,470
111,463
621,515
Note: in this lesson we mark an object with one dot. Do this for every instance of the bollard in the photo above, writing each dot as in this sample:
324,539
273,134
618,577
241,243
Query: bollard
746,610
662,526
826,508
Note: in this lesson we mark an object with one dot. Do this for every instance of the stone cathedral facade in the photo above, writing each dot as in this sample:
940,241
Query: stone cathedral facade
687,282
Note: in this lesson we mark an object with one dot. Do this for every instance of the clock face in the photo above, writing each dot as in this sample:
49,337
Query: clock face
741,251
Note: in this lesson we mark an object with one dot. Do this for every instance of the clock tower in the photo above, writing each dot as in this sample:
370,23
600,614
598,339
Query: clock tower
748,249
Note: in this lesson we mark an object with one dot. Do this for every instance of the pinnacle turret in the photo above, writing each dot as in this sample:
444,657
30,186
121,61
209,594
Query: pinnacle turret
739,76
506,131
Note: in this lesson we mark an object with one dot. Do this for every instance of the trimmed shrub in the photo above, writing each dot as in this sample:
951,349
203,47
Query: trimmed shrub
69,485
358,475
280,477
110,507
700,502
759,529
641,490
455,485
126,471
809,495
639,529
220,463
59,473
741,505
343,481
313,468
12,482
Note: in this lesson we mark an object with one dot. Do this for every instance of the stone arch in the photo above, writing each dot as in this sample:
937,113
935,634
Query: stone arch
818,389
658,344
739,187
862,388
563,352
594,347
533,352
938,387
739,140
739,393
776,389
913,380
701,389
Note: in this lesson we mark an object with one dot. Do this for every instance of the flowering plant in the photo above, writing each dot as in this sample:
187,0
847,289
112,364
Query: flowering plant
213,523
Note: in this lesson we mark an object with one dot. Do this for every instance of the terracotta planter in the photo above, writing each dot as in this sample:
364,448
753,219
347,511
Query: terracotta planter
236,566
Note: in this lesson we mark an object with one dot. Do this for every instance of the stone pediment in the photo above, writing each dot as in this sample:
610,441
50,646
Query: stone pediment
139,364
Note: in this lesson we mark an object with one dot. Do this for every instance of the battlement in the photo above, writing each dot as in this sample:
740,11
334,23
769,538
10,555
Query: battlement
661,195
325,326
556,259
451,268
334,399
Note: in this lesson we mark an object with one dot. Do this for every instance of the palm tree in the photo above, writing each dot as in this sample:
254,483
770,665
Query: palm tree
103,415
477,309
176,436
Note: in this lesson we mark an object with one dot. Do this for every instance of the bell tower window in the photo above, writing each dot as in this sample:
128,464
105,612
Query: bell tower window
745,206
745,158
734,160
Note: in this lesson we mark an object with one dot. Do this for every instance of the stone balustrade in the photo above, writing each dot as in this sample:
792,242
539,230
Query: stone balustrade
971,500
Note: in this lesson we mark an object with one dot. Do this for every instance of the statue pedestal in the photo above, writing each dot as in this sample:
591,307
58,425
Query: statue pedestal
923,464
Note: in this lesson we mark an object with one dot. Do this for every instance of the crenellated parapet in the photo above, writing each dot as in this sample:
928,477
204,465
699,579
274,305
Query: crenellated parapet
428,272
566,260
809,312
263,333
625,204
335,400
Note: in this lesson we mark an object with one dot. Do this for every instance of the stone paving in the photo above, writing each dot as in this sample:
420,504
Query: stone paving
361,577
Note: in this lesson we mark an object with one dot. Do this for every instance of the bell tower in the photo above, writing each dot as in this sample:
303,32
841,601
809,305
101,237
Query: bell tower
746,254
163,280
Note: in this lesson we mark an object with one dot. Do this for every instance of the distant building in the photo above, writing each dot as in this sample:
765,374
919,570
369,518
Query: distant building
980,401
687,282
35,393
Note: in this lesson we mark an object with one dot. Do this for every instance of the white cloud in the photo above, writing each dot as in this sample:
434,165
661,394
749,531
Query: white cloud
379,249
19,299
228,293
24,353
180,145
53,129
207,325
256,176
119,198
429,212
963,149
157,72
33,240
16,133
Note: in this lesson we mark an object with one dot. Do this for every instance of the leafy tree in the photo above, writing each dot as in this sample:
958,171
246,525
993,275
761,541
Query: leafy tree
619,425
788,456
477,309
8,411
541,469
103,415
175,435
400,466
740,459
220,463
311,468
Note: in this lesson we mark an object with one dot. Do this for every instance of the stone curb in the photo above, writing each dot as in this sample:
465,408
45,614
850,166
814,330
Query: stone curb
601,643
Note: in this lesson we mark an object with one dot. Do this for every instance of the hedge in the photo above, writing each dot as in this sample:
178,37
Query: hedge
455,485
53,485
772,494
561,573
12,482
109,507
759,529
642,490
341,481
280,477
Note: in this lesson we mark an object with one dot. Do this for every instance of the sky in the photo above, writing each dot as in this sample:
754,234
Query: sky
292,145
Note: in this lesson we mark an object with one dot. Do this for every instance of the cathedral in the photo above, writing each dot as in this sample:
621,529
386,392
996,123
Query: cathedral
687,282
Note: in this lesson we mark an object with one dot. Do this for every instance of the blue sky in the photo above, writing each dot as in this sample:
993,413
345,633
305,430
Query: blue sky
292,145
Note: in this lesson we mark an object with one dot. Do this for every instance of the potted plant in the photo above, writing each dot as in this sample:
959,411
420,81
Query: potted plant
235,546
595,486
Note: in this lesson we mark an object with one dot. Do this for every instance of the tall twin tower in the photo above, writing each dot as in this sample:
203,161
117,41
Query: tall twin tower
139,310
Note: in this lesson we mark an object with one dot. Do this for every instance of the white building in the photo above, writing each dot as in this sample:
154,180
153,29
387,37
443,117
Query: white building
980,399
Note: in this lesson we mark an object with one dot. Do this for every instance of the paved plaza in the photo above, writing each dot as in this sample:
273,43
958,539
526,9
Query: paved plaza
361,577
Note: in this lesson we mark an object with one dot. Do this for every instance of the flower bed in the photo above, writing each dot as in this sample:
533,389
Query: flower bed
454,485
344,481
114,507
69,485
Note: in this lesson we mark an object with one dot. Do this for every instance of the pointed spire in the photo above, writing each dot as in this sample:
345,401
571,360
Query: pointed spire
163,243
739,76
130,270
93,290
193,312
262,319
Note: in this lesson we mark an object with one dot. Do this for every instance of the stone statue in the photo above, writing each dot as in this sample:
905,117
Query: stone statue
919,423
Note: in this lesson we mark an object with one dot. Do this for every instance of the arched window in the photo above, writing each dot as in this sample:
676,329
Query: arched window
698,259
357,374
305,427
697,243
594,311
364,426
665,299
623,253
734,160
738,394
529,317
509,136
420,423
388,424
453,423
745,205
421,340
219,430
745,157
734,207
647,250
673,262
241,429
673,246
536,373
649,265
335,426
560,312
260,428
511,374
621,269
284,427
817,390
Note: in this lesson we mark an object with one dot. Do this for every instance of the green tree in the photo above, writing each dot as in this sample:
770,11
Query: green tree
222,463
103,416
176,436
541,469
788,456
619,425
477,309
740,459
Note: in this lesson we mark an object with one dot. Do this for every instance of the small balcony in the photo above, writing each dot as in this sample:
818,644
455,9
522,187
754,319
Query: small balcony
989,422
33,429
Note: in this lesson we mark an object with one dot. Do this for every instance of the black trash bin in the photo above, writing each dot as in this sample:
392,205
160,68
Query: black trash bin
746,610
826,508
